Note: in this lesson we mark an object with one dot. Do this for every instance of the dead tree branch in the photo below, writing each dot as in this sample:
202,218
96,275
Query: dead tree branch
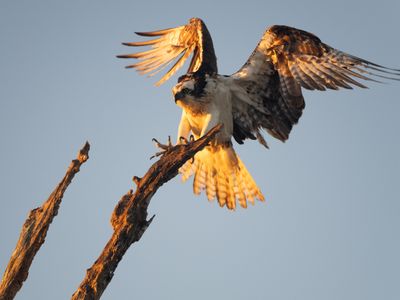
129,218
34,232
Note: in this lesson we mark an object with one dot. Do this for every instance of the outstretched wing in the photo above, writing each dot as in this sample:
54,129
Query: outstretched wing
268,87
175,43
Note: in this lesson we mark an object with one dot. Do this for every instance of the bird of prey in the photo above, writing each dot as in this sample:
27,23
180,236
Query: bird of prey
264,94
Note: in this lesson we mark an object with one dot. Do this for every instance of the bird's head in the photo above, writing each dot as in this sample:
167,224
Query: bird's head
190,87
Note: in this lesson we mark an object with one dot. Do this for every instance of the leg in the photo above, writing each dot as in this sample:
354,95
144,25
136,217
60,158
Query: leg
183,129
211,120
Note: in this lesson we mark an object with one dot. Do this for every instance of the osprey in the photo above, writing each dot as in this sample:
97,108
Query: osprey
263,94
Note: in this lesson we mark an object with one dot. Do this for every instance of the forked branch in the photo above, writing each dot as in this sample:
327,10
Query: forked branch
129,218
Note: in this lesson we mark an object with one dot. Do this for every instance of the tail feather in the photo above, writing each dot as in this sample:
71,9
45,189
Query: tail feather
221,190
250,187
210,184
240,194
221,173
231,201
200,175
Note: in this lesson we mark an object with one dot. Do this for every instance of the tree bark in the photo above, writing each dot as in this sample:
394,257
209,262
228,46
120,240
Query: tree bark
129,218
34,232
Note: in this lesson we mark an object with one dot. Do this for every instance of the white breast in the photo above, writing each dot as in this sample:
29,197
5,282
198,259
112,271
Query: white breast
214,108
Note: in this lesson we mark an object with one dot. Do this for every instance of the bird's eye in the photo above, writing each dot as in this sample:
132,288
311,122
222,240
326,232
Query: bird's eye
186,91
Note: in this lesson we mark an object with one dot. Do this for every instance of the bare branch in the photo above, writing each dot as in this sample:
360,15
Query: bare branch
129,218
34,232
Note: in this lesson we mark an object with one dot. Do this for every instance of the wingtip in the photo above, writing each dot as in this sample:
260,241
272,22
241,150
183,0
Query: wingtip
141,33
154,33
122,56
133,55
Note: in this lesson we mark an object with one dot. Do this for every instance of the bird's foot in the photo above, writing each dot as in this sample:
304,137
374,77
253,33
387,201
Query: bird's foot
185,141
164,148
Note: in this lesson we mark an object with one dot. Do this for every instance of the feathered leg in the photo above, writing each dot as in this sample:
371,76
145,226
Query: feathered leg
183,129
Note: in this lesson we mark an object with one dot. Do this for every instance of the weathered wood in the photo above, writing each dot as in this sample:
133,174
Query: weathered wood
129,218
34,232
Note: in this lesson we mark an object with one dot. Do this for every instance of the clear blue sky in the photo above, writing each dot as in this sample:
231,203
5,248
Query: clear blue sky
330,226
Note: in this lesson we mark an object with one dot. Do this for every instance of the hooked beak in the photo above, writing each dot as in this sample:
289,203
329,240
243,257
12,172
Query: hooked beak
178,96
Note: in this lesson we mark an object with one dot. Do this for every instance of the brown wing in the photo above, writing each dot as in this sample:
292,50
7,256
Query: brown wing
176,44
301,56
285,60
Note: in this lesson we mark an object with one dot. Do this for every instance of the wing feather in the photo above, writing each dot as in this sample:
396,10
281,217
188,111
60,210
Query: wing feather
192,38
331,76
267,91
175,67
314,81
156,32
164,64
144,43
303,79
148,65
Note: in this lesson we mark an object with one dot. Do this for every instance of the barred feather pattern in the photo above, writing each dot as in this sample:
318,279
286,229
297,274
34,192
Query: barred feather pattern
219,172
285,60
262,100
315,65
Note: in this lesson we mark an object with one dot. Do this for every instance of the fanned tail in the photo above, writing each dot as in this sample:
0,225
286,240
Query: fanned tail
220,172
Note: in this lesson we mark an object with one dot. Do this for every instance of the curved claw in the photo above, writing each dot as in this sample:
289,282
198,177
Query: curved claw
164,148
183,140
157,154
191,139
